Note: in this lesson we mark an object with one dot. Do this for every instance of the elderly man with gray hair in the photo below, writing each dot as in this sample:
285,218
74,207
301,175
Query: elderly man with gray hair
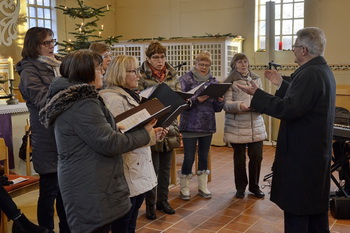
305,105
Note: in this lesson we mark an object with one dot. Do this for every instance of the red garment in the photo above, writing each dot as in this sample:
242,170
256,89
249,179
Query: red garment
159,74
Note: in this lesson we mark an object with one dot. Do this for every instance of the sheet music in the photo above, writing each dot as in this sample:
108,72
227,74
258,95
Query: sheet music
134,119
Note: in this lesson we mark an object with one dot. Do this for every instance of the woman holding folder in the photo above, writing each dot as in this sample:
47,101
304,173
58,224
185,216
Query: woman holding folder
197,125
155,70
122,78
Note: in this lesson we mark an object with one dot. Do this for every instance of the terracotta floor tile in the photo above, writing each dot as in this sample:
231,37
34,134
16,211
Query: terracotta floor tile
222,213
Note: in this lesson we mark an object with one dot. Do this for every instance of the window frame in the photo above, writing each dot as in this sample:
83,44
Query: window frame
287,38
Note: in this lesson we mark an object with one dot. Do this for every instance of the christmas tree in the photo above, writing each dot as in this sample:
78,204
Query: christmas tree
87,31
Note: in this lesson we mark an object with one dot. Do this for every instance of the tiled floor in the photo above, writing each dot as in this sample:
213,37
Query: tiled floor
223,213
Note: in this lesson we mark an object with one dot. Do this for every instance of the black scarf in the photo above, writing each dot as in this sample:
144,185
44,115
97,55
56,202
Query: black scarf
133,94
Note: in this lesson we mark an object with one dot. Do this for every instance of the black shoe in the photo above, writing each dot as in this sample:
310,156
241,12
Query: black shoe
151,212
239,194
164,205
258,193
23,225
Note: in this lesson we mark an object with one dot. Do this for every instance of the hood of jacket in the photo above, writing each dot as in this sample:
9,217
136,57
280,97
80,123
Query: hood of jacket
61,96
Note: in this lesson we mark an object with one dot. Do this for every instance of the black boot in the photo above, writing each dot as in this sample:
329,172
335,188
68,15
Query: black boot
23,225
151,212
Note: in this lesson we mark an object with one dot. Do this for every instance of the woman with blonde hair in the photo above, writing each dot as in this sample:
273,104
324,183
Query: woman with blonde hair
122,78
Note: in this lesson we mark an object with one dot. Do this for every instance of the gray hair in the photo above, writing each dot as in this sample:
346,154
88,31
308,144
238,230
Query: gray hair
313,39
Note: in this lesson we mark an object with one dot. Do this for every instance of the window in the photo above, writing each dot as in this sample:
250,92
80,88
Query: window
41,13
289,18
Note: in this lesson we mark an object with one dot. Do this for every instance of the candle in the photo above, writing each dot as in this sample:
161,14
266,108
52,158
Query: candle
99,33
107,7
102,26
280,45
10,64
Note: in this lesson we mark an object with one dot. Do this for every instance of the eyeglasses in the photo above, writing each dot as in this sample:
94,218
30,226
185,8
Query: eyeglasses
107,54
49,42
99,69
158,57
136,71
297,46
203,65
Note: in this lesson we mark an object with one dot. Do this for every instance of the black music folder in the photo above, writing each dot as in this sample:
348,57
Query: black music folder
142,114
166,96
188,94
216,90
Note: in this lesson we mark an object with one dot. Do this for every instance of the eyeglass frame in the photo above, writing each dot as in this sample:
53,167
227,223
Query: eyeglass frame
106,54
158,57
135,71
203,65
47,43
297,46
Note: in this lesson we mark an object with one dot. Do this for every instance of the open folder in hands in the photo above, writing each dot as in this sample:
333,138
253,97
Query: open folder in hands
167,97
141,115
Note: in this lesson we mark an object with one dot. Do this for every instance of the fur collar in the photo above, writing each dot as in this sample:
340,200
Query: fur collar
63,100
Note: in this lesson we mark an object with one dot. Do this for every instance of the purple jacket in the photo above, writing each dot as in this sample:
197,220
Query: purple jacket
200,117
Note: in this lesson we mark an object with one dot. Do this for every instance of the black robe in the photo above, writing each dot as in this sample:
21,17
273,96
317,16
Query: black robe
301,171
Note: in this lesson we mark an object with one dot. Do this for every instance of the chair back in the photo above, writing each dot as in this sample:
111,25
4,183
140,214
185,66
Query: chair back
4,156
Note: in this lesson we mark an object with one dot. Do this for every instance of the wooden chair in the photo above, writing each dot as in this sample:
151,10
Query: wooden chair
180,150
28,149
16,189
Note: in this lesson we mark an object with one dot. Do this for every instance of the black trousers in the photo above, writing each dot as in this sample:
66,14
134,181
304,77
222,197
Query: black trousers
317,223
7,205
162,165
254,165
127,223
49,193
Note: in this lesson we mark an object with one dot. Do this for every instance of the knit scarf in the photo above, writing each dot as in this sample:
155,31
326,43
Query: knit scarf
51,62
199,77
159,74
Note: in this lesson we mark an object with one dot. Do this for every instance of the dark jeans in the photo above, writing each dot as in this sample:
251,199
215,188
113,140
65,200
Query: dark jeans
162,165
190,153
239,160
317,223
127,224
103,229
48,193
7,205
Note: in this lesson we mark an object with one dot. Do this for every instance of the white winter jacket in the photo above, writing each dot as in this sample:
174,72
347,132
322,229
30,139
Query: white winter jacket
242,127
138,166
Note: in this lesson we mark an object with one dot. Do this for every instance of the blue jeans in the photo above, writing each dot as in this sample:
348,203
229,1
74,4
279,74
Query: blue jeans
48,193
127,223
190,152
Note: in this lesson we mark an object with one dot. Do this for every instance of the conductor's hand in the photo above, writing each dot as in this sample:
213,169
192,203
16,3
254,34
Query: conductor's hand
274,77
251,89
149,125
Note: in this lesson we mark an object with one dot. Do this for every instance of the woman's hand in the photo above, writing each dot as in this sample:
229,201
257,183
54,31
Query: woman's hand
202,98
244,108
149,125
220,99
161,133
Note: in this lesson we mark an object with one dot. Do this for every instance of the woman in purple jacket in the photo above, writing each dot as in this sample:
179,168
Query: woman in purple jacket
197,125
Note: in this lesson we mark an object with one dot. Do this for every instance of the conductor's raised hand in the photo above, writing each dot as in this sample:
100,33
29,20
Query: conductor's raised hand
251,89
274,77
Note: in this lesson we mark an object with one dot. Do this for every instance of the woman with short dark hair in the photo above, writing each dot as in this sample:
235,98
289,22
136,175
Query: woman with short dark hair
37,69
90,147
